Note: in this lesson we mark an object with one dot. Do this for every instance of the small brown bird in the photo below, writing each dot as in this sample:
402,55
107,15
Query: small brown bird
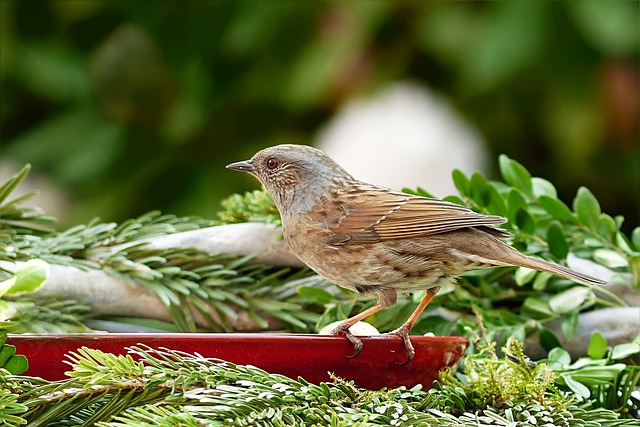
370,239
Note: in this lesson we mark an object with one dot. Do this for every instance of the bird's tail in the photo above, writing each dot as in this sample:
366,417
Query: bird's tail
482,247
541,265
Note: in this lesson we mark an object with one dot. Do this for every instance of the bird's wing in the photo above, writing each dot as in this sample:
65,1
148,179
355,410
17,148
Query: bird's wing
378,215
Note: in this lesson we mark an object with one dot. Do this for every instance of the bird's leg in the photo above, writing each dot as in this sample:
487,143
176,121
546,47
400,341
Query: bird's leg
343,328
403,331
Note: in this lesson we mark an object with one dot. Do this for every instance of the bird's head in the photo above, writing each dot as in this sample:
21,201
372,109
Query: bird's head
295,175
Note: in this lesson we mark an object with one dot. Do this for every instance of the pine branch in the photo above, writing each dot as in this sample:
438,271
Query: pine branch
187,281
160,387
15,219
254,206
45,315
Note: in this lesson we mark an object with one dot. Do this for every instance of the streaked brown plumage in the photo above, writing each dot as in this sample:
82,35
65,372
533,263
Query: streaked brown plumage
371,239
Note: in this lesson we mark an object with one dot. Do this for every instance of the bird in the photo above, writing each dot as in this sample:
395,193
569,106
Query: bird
376,241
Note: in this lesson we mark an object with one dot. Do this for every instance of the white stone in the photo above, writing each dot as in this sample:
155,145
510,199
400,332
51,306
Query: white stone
360,328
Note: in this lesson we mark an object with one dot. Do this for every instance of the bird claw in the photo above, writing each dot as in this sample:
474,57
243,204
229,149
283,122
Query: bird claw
357,342
403,333
358,350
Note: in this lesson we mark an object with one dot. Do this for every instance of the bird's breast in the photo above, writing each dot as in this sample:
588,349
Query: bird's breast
308,240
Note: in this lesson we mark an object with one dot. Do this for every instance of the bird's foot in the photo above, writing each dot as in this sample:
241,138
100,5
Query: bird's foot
343,329
403,332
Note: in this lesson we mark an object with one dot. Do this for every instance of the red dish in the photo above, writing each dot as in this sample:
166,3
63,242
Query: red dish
308,356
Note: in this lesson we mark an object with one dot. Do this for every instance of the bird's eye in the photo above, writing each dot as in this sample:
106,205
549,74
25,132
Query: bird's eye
273,163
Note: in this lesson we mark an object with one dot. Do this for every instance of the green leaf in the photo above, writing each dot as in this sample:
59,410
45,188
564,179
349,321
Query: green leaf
536,305
607,227
623,243
540,283
479,189
17,365
597,346
610,258
542,187
7,284
576,386
315,295
29,279
559,355
454,199
524,275
424,193
558,245
525,221
569,324
461,182
497,205
587,208
634,266
571,299
635,238
596,375
622,351
515,202
557,209
6,353
515,174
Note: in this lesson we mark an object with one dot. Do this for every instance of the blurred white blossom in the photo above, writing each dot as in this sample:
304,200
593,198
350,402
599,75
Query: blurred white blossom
404,136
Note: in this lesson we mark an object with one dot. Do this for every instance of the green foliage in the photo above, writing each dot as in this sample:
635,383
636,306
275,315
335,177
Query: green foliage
161,387
603,378
15,364
542,223
484,381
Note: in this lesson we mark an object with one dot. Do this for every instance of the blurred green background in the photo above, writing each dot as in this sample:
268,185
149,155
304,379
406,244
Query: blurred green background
129,106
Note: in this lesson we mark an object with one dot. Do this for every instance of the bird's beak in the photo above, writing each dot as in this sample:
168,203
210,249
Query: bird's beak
244,166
